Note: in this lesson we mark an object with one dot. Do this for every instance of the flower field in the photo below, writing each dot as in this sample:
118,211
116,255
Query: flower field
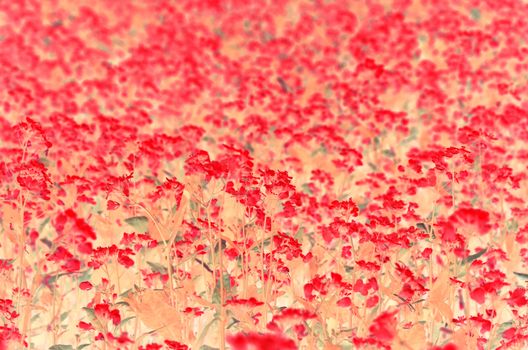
272,174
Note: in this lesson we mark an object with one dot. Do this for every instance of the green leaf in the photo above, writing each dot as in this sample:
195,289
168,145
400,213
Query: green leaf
388,153
227,288
235,321
43,224
90,312
423,227
347,346
53,279
207,347
125,293
321,149
222,244
412,136
208,139
127,319
426,228
258,245
512,225
521,275
7,261
474,257
299,235
61,347
85,276
64,315
205,330
47,242
140,223
249,147
82,346
363,205
475,14
306,188
447,187
157,267
285,88
194,206
503,327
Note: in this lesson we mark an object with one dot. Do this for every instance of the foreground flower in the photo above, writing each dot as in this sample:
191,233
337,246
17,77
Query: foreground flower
260,341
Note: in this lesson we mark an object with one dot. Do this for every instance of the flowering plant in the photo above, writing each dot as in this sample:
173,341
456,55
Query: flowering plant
261,174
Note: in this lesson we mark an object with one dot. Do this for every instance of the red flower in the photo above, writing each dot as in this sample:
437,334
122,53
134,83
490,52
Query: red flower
7,309
294,314
517,297
361,287
472,216
174,345
85,326
258,341
485,325
308,291
170,187
122,339
478,294
372,301
151,346
71,265
344,302
426,253
112,205
448,346
383,328
251,302
103,311
85,285
34,177
124,259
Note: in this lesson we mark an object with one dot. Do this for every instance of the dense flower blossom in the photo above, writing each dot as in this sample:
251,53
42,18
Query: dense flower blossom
258,174
259,341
